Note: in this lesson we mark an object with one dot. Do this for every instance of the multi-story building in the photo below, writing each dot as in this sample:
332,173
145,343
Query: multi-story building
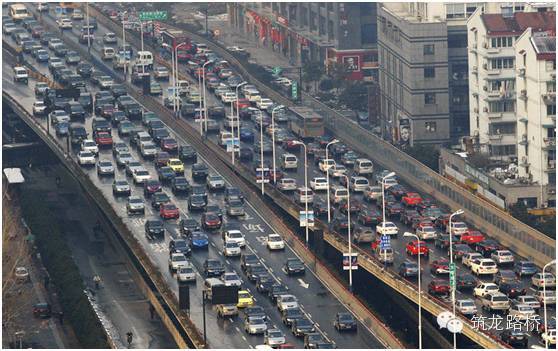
493,95
535,57
324,32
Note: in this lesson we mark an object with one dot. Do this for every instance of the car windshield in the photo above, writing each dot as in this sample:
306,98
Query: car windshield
230,277
235,235
499,298
274,238
256,321
275,334
178,258
231,245
243,295
467,303
345,318
156,225
136,200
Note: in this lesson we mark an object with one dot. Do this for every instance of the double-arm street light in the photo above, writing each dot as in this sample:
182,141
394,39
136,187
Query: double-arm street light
456,213
273,142
349,230
297,142
237,120
334,141
174,74
202,93
389,175
408,234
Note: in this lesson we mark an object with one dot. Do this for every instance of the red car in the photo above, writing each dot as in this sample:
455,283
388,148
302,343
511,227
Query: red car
290,144
355,207
37,31
440,266
210,220
439,287
411,199
375,244
103,139
242,103
161,159
417,247
169,211
472,237
169,145
278,175
107,110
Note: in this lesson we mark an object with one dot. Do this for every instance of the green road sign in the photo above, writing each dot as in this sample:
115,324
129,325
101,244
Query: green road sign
153,16
294,90
277,71
452,275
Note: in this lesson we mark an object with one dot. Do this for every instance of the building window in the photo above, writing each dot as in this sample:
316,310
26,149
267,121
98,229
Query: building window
383,24
429,98
428,49
330,33
502,106
329,6
430,127
551,110
501,42
367,8
455,11
370,57
502,63
470,8
322,25
457,41
369,33
550,65
429,72
459,99
502,150
501,128
506,85
551,87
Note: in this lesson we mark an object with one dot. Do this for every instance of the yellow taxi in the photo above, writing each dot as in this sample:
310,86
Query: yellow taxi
176,165
244,299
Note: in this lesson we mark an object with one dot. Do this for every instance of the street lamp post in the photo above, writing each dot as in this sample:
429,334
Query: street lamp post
273,142
407,234
261,152
456,213
88,30
389,175
297,142
204,96
201,109
124,50
237,119
334,141
544,303
349,229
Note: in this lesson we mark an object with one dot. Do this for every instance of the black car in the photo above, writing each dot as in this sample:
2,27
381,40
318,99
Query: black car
84,69
213,268
86,101
166,174
407,216
394,209
233,193
179,245
515,339
512,289
247,260
187,153
255,271
75,110
154,228
312,340
344,321
196,202
158,199
487,247
465,281
302,326
117,90
199,171
180,185
188,226
443,240
264,284
255,311
245,154
289,315
320,208
294,266
215,209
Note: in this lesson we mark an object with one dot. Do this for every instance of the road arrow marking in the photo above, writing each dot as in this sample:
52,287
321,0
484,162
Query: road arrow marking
303,283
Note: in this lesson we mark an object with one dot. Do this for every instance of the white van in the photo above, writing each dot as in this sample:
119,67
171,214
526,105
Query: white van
108,53
231,121
144,58
384,255
304,195
183,87
358,184
363,166
289,161
201,48
338,194
252,95
18,12
224,137
228,97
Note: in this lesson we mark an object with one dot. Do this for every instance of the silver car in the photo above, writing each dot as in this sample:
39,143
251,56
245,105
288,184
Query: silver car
186,274
287,184
105,167
274,337
215,182
121,187
255,325
135,205
235,208
466,307
231,279
122,158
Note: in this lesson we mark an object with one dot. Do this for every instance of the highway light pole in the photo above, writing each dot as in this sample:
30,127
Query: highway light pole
334,141
407,234
124,50
204,96
201,109
389,175
261,152
88,30
349,235
237,119
297,142
273,142
173,80
452,285
544,303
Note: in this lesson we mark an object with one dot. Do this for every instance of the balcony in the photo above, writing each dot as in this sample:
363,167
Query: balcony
523,94
524,140
551,166
549,97
524,162
495,137
521,72
523,119
475,70
549,143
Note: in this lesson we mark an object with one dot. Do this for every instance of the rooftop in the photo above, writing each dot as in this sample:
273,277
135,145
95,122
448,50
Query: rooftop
497,24
544,44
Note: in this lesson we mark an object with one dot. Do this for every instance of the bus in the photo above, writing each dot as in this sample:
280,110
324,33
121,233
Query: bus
306,123
172,37
66,8
18,12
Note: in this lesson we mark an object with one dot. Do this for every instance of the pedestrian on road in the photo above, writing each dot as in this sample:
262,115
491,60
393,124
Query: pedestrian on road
152,311
61,317
97,281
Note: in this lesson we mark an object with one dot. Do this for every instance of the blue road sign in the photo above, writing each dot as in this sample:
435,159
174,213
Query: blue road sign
385,242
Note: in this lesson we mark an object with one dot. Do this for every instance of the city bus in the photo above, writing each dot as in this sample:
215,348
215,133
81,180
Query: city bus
66,8
306,123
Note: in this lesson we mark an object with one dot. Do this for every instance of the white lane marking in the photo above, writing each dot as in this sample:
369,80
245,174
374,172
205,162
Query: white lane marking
237,328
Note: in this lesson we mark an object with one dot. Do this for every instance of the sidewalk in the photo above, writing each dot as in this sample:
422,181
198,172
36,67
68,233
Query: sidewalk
119,302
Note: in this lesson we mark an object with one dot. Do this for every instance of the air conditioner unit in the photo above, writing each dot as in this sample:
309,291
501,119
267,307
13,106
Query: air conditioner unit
485,109
485,45
522,71
553,75
476,110
474,45
485,88
475,68
485,66
552,191
523,92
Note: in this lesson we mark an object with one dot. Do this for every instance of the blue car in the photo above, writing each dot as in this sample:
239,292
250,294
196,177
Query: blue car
198,240
246,135
62,128
42,56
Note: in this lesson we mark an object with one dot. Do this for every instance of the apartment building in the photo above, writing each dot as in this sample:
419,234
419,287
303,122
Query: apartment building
535,57
325,32
493,93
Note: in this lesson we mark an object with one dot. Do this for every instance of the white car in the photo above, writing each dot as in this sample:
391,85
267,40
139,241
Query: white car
186,274
235,236
228,97
458,228
287,301
528,300
426,232
231,279
89,145
287,184
466,306
177,260
337,171
485,288
231,249
522,312
324,164
58,116
274,337
275,242
264,103
484,266
64,23
86,158
387,228
502,256
548,297
77,14
39,108
470,257
318,183
140,175
539,280
549,336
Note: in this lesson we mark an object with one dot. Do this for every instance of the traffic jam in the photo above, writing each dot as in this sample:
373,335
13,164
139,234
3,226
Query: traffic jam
174,197
189,218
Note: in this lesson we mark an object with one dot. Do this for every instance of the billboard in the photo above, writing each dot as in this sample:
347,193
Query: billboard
354,261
